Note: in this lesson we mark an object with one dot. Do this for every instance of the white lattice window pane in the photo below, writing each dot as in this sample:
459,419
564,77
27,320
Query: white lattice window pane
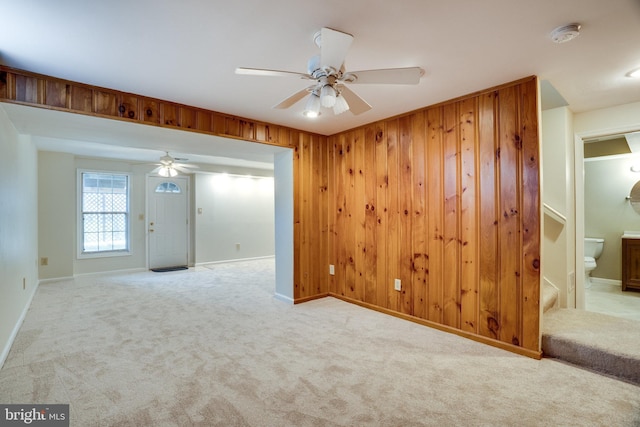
90,242
105,211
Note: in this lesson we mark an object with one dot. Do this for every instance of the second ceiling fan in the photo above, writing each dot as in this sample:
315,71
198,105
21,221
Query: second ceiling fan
328,71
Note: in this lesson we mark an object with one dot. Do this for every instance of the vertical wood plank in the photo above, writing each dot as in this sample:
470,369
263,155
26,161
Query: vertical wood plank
332,184
382,216
489,292
350,217
169,114
393,230
435,199
128,106
509,230
530,217
359,214
468,217
56,93
188,118
405,199
150,111
321,241
420,230
306,215
81,99
26,89
294,138
105,103
451,173
246,130
371,216
341,214
204,121
4,84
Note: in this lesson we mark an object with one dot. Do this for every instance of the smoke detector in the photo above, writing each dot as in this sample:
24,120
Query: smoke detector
565,33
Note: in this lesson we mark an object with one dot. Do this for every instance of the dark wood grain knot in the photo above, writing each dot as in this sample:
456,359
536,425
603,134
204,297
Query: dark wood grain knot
131,114
149,112
122,109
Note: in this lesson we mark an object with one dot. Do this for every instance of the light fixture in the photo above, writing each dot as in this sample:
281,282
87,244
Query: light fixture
328,96
312,109
634,73
341,105
565,33
166,171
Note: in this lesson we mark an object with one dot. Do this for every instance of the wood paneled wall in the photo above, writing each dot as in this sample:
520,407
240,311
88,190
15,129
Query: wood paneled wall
446,199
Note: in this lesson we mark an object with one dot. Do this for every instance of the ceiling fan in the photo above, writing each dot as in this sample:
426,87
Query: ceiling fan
330,87
169,168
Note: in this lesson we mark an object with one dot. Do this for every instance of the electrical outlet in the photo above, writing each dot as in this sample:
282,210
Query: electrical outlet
332,270
44,260
397,284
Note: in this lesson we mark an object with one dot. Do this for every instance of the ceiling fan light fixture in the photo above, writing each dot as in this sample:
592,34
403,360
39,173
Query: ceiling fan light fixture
312,109
328,96
341,105
634,74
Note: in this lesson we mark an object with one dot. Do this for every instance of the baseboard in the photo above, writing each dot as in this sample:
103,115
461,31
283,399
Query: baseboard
610,282
204,264
534,354
16,328
102,273
283,298
54,280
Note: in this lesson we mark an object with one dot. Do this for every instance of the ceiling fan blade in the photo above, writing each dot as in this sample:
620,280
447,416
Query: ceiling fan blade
182,169
400,76
357,105
270,73
288,102
185,165
333,47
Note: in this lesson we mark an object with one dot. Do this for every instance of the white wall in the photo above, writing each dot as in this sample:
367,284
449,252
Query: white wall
558,249
58,231
18,230
56,205
234,217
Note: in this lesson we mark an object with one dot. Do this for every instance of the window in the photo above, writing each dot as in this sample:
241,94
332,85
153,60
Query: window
104,213
168,187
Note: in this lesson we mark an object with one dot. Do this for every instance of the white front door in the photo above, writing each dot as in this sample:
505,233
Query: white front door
167,222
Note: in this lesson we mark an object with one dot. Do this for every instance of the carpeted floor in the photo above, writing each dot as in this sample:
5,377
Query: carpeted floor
211,346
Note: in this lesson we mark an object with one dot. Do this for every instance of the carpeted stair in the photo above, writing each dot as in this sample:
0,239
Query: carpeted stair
594,341
549,296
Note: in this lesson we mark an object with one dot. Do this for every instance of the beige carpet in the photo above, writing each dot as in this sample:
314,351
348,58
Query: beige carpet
211,346
604,343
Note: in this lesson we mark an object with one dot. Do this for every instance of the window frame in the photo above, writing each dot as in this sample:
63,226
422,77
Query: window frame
81,254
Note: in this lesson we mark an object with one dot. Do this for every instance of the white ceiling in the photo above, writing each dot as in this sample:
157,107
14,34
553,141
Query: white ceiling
187,51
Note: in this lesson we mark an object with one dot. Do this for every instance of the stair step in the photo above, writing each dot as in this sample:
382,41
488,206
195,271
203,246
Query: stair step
549,296
594,341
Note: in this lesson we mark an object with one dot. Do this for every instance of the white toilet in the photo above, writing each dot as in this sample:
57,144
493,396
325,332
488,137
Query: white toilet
592,251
